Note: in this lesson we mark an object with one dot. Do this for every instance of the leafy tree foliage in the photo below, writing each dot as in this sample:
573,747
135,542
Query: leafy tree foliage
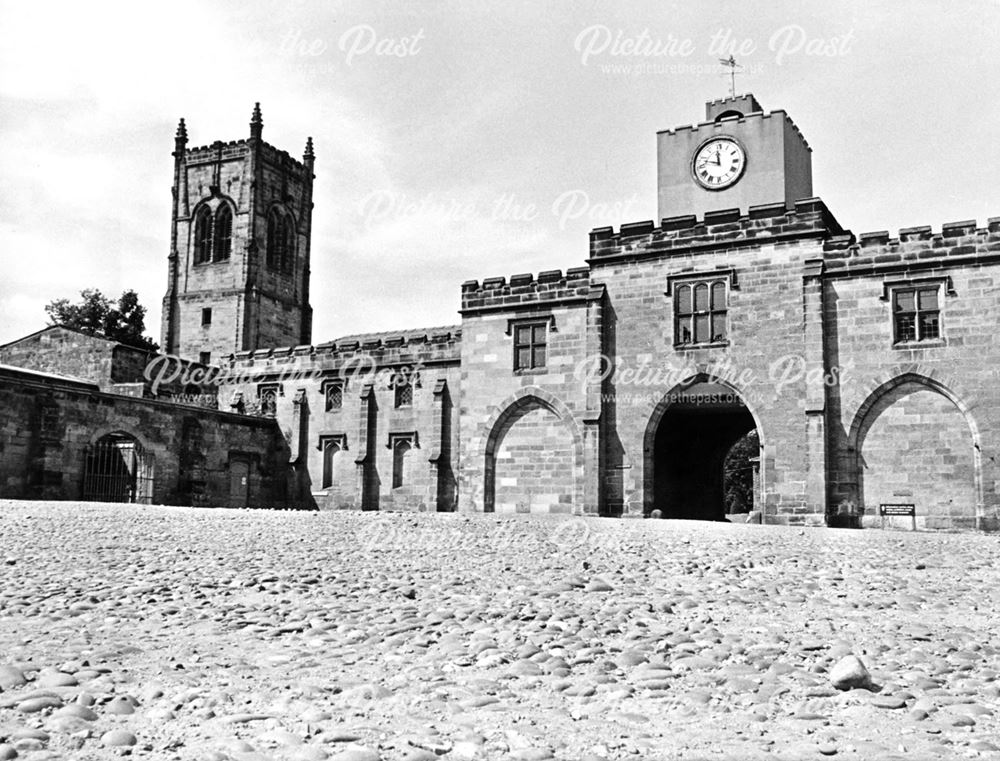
738,474
122,320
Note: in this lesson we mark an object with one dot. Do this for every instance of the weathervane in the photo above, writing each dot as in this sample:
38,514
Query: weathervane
733,66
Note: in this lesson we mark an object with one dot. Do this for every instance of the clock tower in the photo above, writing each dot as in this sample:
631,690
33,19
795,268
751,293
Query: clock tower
738,157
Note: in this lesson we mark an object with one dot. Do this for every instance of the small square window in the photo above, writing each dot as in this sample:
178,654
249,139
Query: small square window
206,316
529,345
205,357
916,315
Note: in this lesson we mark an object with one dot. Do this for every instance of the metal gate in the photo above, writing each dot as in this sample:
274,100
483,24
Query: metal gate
118,469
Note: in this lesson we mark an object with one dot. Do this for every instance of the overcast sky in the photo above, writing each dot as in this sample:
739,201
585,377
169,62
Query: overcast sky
461,140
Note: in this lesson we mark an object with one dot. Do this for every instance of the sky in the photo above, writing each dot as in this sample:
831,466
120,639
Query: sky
461,140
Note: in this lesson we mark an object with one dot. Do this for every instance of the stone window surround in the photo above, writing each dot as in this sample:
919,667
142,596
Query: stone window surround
326,387
396,442
513,323
727,275
946,288
330,444
204,247
265,389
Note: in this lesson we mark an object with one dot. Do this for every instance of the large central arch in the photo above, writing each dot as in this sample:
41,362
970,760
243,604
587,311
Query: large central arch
533,458
689,434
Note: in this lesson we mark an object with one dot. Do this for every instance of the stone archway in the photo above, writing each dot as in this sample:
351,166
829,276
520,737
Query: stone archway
533,460
914,442
687,439
117,468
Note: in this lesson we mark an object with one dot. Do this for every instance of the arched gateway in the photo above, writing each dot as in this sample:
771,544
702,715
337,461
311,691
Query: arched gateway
689,435
118,469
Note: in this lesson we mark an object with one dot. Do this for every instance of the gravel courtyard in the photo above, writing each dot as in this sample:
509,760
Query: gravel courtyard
179,633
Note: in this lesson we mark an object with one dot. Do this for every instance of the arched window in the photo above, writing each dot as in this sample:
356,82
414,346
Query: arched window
223,233
275,239
203,236
288,251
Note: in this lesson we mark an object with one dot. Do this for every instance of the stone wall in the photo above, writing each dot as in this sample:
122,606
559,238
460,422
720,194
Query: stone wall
530,437
933,407
763,255
365,432
51,424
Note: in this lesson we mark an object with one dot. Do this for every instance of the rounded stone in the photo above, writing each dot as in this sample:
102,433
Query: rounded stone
118,738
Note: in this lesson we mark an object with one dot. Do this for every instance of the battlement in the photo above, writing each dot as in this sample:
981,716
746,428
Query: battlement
913,248
550,287
755,116
239,149
681,235
416,347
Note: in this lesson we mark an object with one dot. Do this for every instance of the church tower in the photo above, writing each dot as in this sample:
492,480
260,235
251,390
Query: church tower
238,276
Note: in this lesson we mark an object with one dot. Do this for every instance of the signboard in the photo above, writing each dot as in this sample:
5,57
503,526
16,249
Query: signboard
898,510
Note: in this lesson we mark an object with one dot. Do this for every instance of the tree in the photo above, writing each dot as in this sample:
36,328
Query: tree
96,314
738,473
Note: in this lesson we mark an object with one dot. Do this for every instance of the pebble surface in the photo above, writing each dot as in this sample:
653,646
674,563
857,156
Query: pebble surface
236,635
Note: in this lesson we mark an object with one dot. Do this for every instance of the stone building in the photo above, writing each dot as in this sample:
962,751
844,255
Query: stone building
862,368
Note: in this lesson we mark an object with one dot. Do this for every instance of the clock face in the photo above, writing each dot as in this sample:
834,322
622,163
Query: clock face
718,163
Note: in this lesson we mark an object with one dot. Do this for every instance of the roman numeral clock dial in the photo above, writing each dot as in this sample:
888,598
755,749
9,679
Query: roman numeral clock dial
718,163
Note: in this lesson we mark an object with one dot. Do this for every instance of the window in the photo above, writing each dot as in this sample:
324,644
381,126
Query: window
402,391
331,446
205,357
267,395
529,345
280,241
402,445
334,394
206,316
223,233
203,236
916,314
700,312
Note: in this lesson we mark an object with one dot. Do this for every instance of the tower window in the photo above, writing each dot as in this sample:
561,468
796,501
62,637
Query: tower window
700,312
203,236
206,317
916,314
530,345
223,233
280,241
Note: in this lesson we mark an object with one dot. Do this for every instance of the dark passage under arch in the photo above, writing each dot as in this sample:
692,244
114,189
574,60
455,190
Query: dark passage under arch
697,430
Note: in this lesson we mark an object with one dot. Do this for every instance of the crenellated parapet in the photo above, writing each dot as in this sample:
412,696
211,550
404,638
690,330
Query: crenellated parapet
770,223
712,125
913,248
433,346
549,288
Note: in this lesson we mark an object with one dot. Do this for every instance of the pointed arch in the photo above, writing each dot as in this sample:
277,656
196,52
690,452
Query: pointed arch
223,233
202,235
280,239
881,400
551,481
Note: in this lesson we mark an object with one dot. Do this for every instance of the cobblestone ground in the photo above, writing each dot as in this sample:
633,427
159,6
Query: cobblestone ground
174,633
